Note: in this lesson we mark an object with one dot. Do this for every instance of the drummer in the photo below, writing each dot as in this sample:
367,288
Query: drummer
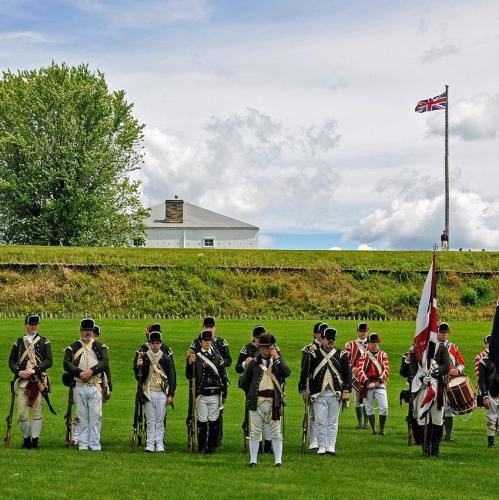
457,367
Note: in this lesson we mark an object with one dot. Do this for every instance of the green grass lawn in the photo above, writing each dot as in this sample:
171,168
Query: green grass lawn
365,465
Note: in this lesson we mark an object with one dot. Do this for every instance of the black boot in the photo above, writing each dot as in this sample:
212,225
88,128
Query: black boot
372,421
27,443
212,437
448,422
382,421
427,441
34,443
364,414
416,432
490,440
436,436
358,412
202,436
220,429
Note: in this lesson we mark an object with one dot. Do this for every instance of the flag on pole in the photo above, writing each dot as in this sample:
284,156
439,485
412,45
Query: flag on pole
425,341
432,104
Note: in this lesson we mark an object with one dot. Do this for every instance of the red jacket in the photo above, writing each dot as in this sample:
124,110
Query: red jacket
367,370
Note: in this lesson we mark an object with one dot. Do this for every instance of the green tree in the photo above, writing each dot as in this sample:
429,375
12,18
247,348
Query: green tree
67,147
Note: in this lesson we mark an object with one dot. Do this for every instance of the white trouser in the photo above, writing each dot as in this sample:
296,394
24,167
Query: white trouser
378,394
492,416
28,427
437,416
155,416
208,407
356,398
327,410
312,424
263,416
88,402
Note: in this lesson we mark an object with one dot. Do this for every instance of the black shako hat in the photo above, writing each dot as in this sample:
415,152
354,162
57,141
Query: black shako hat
373,338
258,330
87,324
32,319
329,333
443,327
209,322
362,327
206,335
155,337
266,340
319,328
96,330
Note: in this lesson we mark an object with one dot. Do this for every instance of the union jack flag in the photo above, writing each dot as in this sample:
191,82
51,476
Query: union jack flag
439,102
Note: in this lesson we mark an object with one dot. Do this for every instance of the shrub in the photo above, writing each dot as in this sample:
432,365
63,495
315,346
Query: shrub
409,298
483,289
470,297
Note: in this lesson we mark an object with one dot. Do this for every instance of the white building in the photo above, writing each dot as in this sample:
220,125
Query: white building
178,224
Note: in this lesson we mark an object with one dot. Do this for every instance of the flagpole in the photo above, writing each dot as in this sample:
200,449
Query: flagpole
447,166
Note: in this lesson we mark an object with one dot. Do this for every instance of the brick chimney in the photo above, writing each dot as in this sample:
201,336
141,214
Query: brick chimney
174,211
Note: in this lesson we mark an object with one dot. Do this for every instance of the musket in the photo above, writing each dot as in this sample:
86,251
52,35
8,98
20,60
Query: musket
43,388
69,419
305,414
8,418
245,426
191,418
138,417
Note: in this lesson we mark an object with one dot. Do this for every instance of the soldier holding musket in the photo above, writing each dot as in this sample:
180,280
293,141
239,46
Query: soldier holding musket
221,346
263,382
29,360
207,367
86,361
155,371
311,428
330,385
247,353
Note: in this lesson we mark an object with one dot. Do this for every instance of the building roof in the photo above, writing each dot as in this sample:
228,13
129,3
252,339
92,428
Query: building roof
194,217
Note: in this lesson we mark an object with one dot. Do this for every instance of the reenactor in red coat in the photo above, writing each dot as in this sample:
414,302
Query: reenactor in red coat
372,371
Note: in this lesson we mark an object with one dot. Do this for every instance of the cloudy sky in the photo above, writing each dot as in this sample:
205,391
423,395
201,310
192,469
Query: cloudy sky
296,116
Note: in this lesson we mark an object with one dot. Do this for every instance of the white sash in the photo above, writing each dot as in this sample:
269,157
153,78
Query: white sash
327,359
209,363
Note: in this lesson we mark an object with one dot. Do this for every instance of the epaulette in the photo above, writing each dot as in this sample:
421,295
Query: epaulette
104,346
243,350
68,347
224,342
343,353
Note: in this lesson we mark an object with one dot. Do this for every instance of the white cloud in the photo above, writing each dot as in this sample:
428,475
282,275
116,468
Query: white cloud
249,166
335,248
439,51
363,246
416,221
470,119
33,37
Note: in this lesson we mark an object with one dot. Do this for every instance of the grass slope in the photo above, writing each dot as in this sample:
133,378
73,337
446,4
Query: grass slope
241,284
374,465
